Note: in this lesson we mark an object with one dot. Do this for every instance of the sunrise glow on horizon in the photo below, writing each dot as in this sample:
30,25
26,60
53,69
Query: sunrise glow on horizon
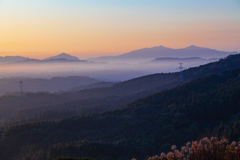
86,28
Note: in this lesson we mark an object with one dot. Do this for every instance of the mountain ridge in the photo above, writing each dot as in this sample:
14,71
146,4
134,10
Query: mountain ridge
59,60
65,56
161,51
9,59
54,84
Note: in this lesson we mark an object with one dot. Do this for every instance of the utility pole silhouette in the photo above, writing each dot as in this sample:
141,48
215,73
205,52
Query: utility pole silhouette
181,72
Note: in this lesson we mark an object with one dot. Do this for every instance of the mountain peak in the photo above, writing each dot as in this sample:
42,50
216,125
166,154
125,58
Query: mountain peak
192,46
161,46
63,56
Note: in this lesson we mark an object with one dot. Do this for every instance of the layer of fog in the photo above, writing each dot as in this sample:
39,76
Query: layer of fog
102,71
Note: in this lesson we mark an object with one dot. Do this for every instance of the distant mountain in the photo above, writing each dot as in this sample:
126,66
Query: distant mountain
161,51
29,61
49,85
63,56
59,60
182,60
9,59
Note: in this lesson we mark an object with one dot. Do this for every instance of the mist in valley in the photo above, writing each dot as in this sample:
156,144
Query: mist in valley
103,71
37,76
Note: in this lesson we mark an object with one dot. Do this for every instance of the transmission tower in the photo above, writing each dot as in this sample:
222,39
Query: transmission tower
181,72
21,87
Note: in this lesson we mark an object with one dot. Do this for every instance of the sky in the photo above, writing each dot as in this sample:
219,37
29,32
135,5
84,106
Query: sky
88,28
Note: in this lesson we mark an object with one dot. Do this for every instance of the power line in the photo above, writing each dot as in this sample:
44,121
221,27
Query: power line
181,72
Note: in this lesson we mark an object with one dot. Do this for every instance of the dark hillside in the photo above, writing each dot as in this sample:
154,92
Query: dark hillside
94,85
11,85
145,127
123,92
12,102
157,80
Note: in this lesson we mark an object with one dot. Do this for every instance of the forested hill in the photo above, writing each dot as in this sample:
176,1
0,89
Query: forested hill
158,80
102,99
203,107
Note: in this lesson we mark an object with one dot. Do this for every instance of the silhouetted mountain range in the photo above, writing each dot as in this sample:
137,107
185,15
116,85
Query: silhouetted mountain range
183,59
51,61
44,85
10,59
63,56
161,51
141,55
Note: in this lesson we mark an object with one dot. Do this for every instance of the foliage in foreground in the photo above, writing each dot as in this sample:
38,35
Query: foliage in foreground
210,149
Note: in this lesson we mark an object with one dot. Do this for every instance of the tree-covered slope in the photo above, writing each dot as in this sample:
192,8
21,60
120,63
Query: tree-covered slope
145,127
123,92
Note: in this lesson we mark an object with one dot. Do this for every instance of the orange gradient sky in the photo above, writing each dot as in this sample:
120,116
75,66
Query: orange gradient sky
39,29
